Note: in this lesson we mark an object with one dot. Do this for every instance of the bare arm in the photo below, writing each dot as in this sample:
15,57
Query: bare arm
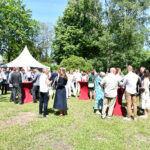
47,82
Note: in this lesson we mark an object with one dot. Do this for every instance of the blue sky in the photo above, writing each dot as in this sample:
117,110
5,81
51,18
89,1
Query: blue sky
46,10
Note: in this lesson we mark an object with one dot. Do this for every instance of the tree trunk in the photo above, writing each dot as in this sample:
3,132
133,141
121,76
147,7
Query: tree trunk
108,63
9,54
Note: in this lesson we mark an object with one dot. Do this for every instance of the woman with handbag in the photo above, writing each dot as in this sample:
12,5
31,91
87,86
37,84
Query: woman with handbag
91,85
60,101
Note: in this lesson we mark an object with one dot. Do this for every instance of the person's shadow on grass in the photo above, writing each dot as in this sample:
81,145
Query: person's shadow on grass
140,111
52,111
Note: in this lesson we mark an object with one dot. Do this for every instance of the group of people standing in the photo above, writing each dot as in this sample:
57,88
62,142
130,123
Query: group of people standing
42,80
102,87
11,79
134,85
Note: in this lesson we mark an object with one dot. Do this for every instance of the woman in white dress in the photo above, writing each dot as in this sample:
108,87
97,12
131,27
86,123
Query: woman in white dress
145,97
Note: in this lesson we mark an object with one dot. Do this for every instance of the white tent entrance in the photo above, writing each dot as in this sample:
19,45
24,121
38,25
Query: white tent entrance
25,60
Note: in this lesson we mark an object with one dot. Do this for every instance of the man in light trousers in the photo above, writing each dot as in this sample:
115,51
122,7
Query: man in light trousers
110,84
130,82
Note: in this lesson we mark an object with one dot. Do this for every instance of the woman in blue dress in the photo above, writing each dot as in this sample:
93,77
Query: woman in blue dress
99,93
60,101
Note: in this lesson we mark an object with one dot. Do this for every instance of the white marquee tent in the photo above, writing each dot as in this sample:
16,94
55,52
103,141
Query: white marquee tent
25,60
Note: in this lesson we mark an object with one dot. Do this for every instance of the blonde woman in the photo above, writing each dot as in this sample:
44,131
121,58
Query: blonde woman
60,101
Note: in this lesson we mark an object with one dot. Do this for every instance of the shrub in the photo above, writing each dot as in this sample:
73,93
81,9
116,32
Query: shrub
75,62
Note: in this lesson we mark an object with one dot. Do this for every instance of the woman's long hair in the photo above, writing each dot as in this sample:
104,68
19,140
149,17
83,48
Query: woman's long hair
146,74
62,73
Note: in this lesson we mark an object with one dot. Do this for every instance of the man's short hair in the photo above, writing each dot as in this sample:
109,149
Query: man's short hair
130,68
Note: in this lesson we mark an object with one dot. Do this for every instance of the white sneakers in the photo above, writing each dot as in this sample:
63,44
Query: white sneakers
109,118
129,119
98,113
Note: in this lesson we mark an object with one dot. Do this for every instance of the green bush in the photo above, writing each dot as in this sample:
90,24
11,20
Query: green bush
75,62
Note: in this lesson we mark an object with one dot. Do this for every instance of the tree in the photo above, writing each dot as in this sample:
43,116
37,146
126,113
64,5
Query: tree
111,36
146,62
44,41
17,29
77,32
75,62
126,23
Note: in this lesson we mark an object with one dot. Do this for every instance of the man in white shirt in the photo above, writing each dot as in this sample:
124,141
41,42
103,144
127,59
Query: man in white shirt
130,82
110,84
78,77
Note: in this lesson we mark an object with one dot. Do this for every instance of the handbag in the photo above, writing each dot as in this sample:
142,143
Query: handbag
91,85
50,91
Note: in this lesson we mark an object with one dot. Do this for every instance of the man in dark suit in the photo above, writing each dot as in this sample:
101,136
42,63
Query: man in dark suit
16,82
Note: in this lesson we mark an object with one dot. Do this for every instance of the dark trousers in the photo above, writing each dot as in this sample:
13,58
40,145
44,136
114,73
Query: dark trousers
4,88
11,96
43,100
35,92
15,90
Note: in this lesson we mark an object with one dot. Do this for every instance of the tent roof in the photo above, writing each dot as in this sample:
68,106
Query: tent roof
25,59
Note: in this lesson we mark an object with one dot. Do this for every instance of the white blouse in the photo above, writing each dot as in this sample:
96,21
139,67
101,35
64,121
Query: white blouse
43,86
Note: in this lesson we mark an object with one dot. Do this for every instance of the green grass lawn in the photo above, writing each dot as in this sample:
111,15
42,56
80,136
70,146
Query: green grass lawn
21,128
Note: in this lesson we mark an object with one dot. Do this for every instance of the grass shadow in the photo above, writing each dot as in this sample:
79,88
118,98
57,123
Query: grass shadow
56,113
124,104
52,111
140,111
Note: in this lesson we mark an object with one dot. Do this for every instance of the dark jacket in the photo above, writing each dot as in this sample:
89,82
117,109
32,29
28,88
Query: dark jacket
53,76
16,79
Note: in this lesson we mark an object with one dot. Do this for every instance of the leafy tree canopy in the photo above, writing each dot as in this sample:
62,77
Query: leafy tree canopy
77,32
75,62
110,36
17,29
